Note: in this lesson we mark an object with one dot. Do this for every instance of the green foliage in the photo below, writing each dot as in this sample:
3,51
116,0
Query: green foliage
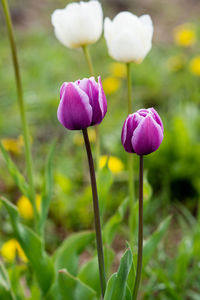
33,248
67,255
5,286
15,173
47,188
153,241
117,284
73,288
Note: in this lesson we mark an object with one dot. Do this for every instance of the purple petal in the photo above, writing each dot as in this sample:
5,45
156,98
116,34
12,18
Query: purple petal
100,106
156,117
129,126
143,112
74,111
62,89
147,137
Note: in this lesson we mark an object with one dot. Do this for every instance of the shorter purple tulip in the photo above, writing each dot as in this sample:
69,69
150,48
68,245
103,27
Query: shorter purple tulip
82,103
142,132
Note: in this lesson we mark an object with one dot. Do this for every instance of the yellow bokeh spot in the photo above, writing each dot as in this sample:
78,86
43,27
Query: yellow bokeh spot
184,35
79,140
195,65
118,70
11,249
114,163
13,145
25,207
111,85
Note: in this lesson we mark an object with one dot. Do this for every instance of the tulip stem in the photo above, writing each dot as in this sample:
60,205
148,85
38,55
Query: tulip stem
96,214
128,65
88,59
130,164
91,69
21,106
140,233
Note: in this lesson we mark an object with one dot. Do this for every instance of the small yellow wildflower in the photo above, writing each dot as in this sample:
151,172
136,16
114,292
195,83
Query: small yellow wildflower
13,145
25,207
78,137
118,70
11,249
195,65
184,35
176,63
111,85
114,164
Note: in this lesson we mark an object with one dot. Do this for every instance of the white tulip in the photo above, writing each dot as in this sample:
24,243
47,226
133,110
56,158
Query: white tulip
128,37
78,24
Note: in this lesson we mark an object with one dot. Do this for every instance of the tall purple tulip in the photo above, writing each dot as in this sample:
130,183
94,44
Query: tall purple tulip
82,104
142,132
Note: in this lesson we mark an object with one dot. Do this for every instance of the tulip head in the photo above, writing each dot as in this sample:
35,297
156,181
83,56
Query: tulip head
142,132
82,104
78,24
128,37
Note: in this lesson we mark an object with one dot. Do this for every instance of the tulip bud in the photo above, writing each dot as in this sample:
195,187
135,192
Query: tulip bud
78,24
128,37
82,103
142,132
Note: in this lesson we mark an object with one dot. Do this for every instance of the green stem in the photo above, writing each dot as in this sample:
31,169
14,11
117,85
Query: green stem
21,105
140,233
129,88
96,214
130,165
88,59
91,69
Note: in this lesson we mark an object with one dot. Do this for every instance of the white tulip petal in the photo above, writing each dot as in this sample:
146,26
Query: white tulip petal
78,24
128,37
148,25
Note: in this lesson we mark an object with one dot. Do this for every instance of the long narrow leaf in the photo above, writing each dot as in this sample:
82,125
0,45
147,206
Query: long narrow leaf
15,173
47,188
33,248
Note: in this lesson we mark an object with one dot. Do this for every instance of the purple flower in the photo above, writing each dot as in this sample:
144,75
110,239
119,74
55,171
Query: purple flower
142,132
82,103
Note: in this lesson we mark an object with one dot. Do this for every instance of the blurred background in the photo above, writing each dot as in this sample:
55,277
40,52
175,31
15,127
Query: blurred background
168,80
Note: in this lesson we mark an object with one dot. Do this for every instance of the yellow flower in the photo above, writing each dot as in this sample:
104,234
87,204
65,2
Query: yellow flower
195,65
111,85
176,63
13,145
11,249
184,35
114,164
118,70
78,137
25,207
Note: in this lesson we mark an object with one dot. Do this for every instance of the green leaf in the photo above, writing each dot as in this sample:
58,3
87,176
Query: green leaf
183,259
15,173
152,243
32,247
117,284
5,286
73,288
89,272
47,188
66,256
113,223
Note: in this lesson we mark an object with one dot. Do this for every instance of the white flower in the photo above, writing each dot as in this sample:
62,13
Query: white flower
78,24
128,37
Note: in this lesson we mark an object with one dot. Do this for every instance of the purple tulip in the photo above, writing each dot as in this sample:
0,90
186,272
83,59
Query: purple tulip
142,132
82,103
